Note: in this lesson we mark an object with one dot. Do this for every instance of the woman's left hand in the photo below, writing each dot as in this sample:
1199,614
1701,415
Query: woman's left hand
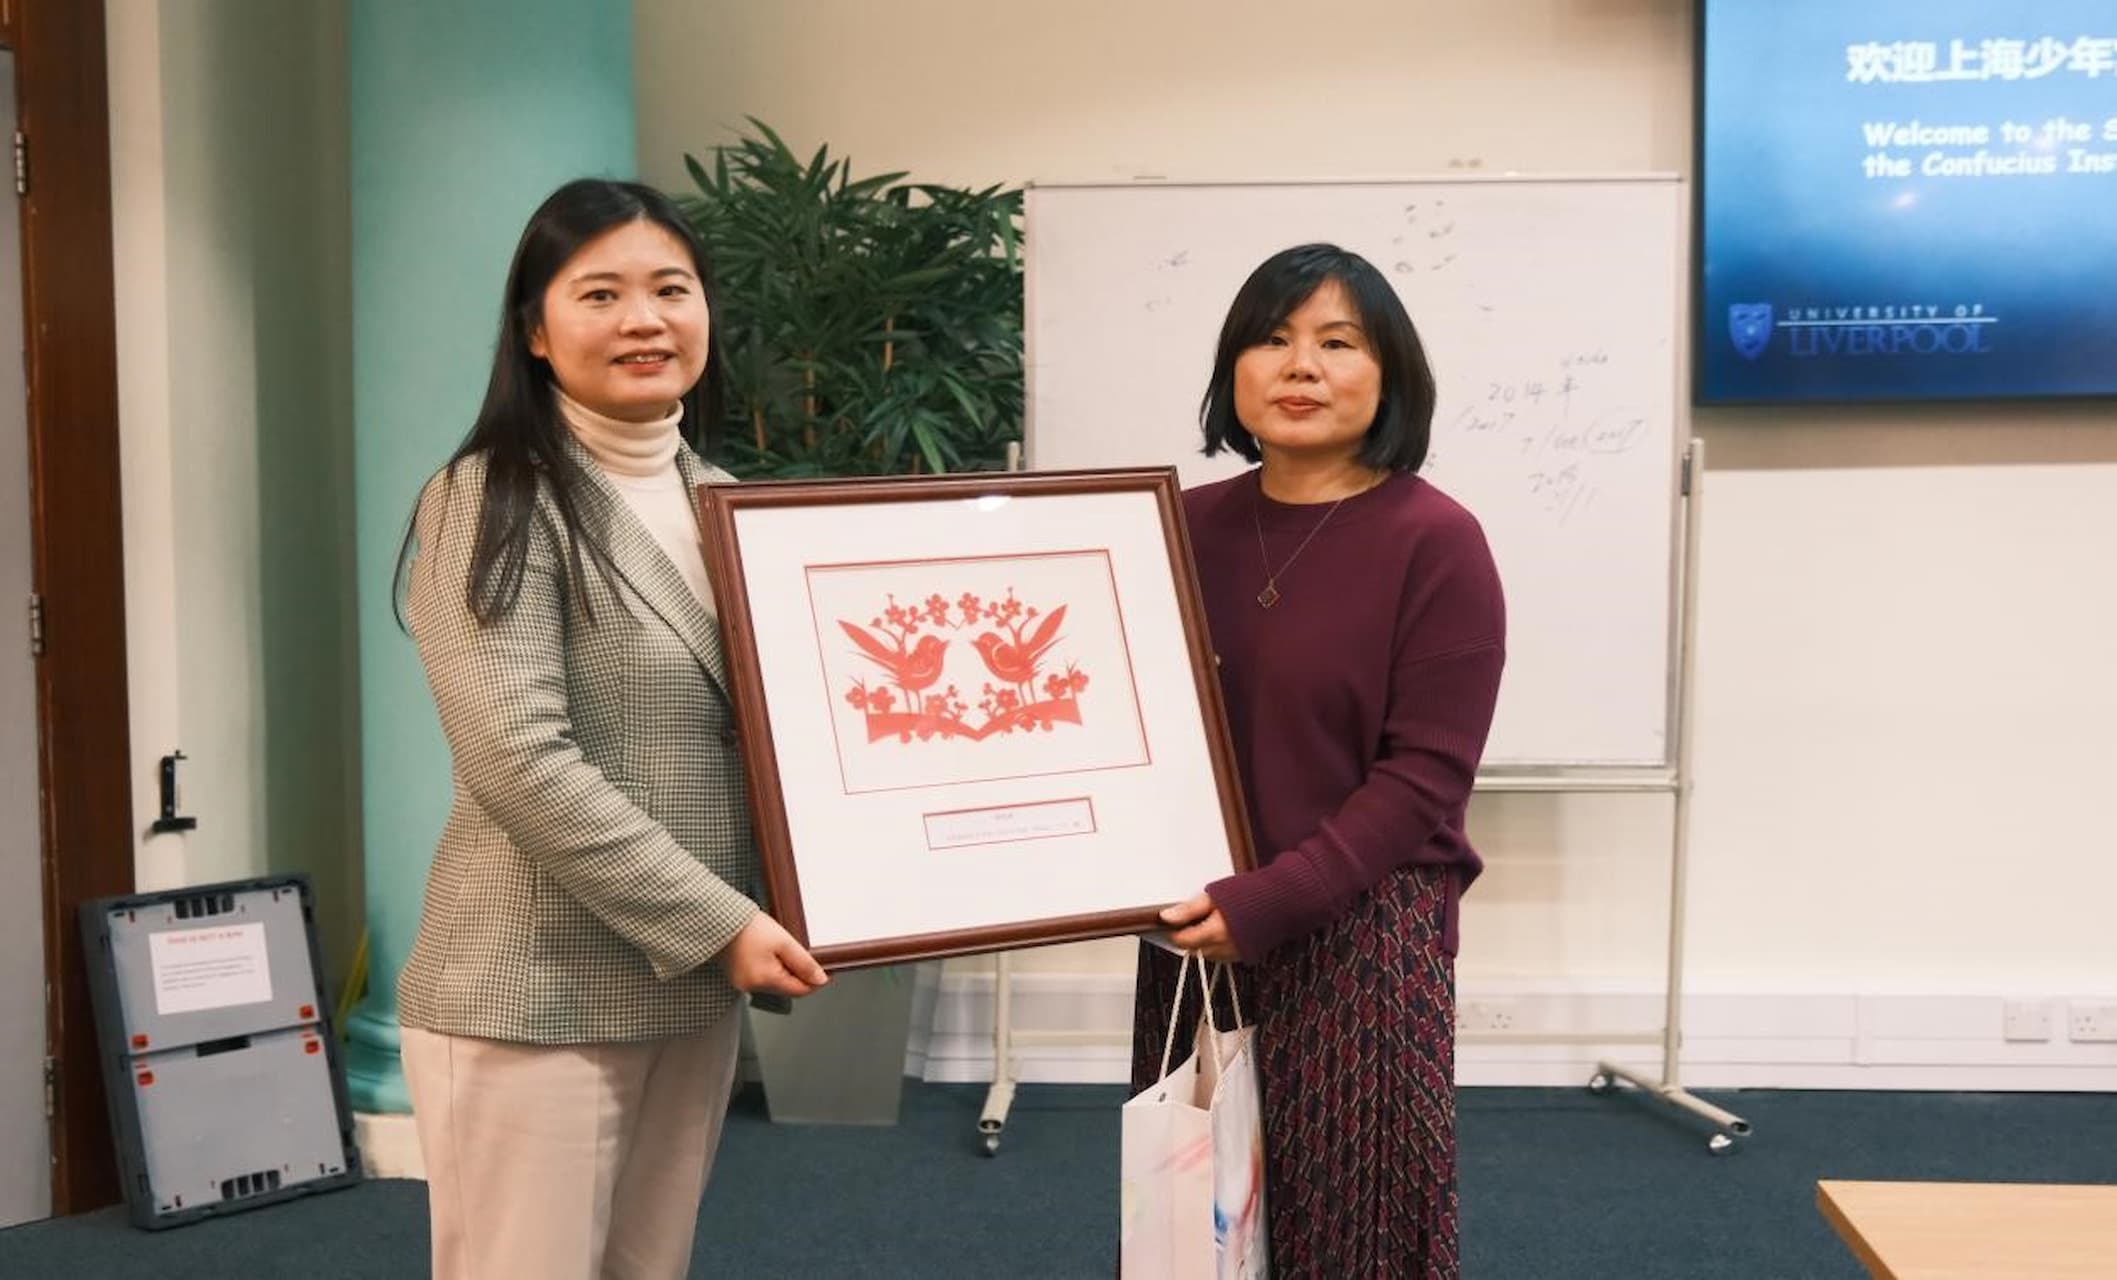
1198,926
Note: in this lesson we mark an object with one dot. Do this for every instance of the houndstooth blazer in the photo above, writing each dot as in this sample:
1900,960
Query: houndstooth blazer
597,853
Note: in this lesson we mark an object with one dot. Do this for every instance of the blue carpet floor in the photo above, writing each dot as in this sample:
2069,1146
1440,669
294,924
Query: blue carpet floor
1555,1183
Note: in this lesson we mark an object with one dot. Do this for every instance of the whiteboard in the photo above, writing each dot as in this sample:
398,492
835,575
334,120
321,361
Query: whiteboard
1549,309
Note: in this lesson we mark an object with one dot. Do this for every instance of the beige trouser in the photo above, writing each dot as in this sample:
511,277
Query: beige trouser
567,1162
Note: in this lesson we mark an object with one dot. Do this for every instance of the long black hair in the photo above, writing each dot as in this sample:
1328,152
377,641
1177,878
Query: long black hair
518,428
1398,438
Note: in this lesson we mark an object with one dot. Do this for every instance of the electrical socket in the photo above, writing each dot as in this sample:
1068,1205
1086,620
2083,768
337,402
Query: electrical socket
2025,1020
2092,1022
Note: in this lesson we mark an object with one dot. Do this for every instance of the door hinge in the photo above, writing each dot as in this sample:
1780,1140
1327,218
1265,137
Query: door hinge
36,625
21,163
51,1088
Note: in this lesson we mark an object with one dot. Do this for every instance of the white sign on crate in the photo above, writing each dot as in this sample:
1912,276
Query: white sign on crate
211,968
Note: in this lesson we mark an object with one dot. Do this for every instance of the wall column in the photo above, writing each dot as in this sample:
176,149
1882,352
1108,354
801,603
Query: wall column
464,115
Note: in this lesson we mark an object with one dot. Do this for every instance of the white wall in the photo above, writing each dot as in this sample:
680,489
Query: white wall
1907,715
964,92
140,253
230,227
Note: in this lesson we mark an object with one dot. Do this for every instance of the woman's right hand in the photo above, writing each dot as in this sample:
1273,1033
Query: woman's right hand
765,957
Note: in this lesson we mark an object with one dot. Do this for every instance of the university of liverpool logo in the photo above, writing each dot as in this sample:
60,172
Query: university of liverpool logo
1749,326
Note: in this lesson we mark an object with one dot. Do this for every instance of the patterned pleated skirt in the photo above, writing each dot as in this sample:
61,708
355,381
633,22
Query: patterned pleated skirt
1356,1050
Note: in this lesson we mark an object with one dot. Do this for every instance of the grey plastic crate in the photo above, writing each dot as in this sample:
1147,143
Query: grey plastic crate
225,1084
170,1000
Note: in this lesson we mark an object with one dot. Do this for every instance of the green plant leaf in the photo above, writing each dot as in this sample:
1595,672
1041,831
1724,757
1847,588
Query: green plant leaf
867,322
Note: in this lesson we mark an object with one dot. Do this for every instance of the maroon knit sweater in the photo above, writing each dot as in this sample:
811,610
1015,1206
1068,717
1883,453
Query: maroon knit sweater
1359,702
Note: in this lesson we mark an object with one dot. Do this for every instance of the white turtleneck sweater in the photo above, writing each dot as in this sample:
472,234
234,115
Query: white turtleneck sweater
640,460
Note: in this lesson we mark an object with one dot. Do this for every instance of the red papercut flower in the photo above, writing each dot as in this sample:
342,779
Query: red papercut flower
857,695
1077,680
879,702
1057,686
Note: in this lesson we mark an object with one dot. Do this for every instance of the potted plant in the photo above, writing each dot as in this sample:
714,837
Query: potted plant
872,326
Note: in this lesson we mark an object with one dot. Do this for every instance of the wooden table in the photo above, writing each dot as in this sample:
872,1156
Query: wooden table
1959,1230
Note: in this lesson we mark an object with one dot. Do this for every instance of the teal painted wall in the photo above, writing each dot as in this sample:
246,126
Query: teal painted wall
464,115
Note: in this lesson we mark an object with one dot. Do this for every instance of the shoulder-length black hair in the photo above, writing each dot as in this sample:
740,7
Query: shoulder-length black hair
518,426
1403,427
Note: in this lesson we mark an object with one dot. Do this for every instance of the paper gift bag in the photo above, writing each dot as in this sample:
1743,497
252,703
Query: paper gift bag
1193,1159
1237,1108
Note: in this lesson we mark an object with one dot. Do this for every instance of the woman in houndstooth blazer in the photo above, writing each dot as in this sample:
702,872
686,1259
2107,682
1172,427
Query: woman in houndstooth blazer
568,1005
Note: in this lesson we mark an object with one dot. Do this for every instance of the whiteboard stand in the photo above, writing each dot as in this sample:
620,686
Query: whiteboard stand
1522,285
1005,1070
1669,1088
1676,782
999,1098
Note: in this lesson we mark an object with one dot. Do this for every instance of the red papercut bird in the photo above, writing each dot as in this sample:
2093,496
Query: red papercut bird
1017,663
914,669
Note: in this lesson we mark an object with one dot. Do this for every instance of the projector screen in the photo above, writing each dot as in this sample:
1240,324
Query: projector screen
1906,200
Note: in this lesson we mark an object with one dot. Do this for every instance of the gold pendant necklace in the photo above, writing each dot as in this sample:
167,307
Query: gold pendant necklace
1270,595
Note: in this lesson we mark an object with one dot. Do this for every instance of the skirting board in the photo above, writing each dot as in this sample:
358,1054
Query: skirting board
389,1145
1733,1040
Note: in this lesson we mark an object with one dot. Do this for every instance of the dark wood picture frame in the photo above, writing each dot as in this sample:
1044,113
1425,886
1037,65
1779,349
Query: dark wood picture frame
720,508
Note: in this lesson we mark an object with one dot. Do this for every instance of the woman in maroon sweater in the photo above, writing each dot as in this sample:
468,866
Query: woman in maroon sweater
1360,629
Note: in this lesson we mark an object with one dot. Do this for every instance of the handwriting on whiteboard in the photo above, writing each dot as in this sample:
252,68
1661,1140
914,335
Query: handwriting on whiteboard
1423,243
1548,429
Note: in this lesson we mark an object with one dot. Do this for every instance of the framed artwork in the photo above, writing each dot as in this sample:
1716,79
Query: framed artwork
978,712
